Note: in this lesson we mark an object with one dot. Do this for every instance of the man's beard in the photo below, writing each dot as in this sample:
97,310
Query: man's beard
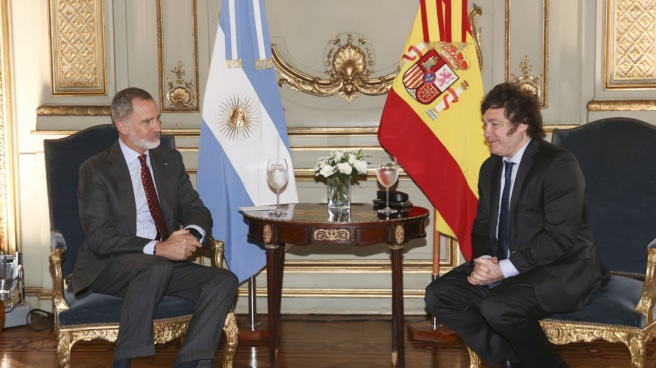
147,143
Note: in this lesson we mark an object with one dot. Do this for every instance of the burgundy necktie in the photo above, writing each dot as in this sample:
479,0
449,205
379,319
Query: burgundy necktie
153,202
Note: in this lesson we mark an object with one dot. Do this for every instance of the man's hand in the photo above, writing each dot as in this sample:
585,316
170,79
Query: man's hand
486,271
178,247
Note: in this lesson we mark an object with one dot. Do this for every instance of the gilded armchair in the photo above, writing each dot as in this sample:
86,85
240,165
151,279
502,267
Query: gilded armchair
96,316
618,159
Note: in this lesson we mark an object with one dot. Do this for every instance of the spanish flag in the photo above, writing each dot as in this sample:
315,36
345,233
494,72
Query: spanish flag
431,121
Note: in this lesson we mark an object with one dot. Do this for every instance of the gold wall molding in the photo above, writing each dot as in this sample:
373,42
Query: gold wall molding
541,86
74,110
349,66
77,47
8,233
338,293
622,105
630,44
178,94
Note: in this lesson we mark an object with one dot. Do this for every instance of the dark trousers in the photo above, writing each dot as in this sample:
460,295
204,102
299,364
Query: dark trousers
143,280
498,324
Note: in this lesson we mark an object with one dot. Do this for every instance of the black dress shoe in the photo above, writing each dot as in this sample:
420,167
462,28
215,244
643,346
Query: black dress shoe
122,363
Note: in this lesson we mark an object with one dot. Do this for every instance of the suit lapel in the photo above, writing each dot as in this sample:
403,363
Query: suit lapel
118,169
528,159
524,167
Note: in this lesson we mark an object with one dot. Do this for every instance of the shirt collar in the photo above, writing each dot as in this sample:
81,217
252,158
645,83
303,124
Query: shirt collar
130,154
517,158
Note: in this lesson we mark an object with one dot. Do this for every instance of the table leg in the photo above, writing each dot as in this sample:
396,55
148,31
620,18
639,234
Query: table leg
275,265
398,347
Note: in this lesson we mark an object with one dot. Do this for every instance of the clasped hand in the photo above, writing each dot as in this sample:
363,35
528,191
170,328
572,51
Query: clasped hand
486,271
179,246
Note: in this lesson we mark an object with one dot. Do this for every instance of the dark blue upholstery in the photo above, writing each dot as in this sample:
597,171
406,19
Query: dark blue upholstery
618,159
63,158
614,304
98,308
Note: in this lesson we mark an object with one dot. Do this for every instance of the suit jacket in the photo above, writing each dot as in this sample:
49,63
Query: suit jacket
549,238
108,211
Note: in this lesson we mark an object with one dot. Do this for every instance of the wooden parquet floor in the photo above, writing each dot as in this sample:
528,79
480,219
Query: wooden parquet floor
307,341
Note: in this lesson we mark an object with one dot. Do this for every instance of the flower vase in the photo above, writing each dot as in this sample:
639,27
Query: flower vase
339,193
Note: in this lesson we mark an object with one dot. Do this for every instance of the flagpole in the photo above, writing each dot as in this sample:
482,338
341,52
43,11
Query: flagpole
253,330
432,330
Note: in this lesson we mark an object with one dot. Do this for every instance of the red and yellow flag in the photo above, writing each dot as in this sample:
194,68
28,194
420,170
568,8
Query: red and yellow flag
431,121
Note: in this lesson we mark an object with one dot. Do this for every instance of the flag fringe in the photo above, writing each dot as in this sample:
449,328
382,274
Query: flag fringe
234,63
264,64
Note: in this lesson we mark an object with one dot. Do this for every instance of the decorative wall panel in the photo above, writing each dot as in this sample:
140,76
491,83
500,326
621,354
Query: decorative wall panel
527,46
177,41
77,47
630,44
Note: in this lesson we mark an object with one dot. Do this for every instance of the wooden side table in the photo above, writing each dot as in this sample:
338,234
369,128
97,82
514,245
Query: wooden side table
311,223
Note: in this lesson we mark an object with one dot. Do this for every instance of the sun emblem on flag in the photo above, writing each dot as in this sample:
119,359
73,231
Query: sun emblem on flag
238,117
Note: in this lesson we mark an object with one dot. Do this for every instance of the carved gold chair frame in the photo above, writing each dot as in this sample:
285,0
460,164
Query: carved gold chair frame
166,330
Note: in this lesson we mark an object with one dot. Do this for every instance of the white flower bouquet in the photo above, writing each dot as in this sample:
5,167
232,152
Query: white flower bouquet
339,169
347,164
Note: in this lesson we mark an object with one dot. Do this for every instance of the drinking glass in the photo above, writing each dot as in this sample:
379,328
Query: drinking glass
277,176
387,173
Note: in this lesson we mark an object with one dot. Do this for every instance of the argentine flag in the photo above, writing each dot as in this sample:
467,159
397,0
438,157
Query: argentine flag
243,126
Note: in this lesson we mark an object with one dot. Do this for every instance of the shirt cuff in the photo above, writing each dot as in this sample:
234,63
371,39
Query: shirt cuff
150,247
507,268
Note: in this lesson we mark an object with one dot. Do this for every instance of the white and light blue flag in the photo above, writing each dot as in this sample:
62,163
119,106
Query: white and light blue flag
243,126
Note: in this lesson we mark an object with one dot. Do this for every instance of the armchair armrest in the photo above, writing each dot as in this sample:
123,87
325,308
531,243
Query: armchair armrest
56,259
646,304
216,247
57,241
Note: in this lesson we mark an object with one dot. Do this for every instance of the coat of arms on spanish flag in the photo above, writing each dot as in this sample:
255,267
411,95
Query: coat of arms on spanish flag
431,121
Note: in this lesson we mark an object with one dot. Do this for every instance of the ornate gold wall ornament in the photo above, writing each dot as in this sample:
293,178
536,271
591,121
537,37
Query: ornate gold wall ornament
332,235
630,44
526,81
181,93
80,110
476,12
77,47
348,65
622,105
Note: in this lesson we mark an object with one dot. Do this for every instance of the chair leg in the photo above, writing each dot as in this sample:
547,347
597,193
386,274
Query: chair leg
232,339
474,359
64,344
637,345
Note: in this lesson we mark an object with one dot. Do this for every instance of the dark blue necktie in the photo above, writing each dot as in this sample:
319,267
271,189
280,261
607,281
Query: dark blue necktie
502,234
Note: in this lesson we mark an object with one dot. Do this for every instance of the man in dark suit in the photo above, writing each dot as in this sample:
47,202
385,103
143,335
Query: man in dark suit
129,254
547,263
